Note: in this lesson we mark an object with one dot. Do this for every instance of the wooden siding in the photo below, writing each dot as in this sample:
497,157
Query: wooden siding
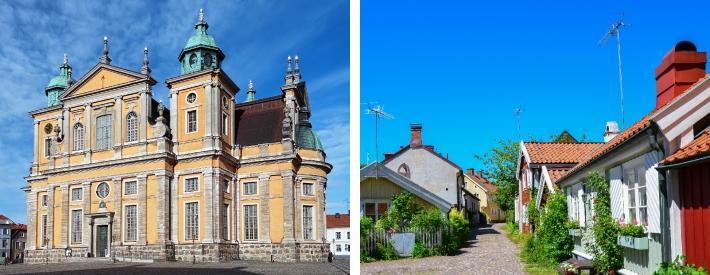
694,184
644,261
383,189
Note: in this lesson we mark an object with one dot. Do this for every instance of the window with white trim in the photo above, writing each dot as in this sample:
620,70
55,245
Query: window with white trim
47,147
104,132
347,247
249,188
308,222
225,186
338,248
376,210
192,121
225,124
76,225
76,194
192,220
131,216
251,223
130,188
191,185
78,137
636,200
44,200
131,127
348,235
337,235
308,189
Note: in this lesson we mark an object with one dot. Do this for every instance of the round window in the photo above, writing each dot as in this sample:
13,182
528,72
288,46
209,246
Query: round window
48,128
191,98
103,190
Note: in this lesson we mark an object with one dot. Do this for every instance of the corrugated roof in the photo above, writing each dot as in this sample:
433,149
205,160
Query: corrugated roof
340,220
559,152
695,149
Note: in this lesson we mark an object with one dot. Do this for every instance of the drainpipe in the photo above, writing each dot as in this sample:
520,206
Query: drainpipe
663,196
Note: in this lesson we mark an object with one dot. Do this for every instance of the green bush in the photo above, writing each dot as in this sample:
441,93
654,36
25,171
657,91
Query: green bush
430,219
386,252
400,213
554,240
608,255
459,227
632,230
678,267
420,251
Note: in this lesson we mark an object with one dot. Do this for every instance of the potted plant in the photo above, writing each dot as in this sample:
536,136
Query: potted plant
569,268
633,236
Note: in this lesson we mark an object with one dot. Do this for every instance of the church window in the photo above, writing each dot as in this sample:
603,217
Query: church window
308,189
250,188
76,194
44,200
404,170
225,186
104,132
192,121
250,223
131,234
308,222
131,188
47,147
225,123
131,127
78,136
225,222
191,97
191,220
102,190
76,225
191,185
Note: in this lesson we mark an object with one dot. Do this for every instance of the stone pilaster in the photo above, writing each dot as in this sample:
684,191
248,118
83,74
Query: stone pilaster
174,120
87,135
31,220
174,208
288,188
142,200
208,115
35,159
209,235
163,213
298,210
143,120
118,211
264,211
50,217
65,216
320,211
86,236
235,209
118,126
67,140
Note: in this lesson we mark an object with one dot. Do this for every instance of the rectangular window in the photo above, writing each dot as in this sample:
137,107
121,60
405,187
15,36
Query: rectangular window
48,147
76,225
308,189
338,248
635,182
192,220
348,235
225,124
131,217
131,188
250,188
308,222
337,235
375,211
225,222
76,194
347,247
225,186
104,132
44,231
250,223
192,121
191,185
44,200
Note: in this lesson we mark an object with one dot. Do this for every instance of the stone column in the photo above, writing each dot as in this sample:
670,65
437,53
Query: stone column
264,212
31,219
174,208
86,236
174,119
67,140
87,133
209,100
65,215
163,213
118,212
218,207
288,187
142,199
235,209
298,209
320,211
118,127
35,159
208,227
143,120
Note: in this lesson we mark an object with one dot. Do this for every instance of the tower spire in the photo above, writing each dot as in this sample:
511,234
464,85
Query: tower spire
145,69
296,71
66,59
251,93
104,58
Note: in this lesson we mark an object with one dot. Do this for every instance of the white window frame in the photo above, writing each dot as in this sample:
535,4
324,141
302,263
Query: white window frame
338,235
338,248
184,220
256,189
81,194
187,121
47,147
78,139
45,200
188,95
132,133
225,124
244,219
71,225
124,234
109,137
313,222
184,184
637,166
303,188
378,215
125,187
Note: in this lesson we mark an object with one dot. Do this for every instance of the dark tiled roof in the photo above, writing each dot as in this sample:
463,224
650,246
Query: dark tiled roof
697,148
559,152
259,121
19,226
341,220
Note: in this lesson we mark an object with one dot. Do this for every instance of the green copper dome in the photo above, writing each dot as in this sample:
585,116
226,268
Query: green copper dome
58,84
201,38
306,138
59,81
201,51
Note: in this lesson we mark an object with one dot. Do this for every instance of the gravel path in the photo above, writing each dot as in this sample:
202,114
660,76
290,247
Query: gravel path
488,252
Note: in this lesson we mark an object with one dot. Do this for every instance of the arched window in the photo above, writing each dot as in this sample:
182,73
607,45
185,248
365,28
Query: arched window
404,170
78,135
131,127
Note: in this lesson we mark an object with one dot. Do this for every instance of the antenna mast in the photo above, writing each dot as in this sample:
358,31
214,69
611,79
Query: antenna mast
379,112
615,30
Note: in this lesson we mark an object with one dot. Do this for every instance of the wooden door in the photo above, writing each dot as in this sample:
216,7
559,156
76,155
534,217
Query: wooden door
102,241
694,183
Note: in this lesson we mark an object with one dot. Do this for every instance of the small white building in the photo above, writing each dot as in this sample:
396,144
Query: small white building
338,233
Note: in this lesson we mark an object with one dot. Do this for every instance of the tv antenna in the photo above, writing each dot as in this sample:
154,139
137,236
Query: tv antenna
517,112
379,112
615,30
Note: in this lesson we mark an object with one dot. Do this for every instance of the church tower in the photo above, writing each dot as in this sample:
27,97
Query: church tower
58,84
201,51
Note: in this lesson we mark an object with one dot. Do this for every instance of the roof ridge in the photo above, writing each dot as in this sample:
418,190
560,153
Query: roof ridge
557,142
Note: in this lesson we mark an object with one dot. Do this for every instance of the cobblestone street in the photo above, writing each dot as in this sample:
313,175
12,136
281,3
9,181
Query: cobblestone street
173,268
488,252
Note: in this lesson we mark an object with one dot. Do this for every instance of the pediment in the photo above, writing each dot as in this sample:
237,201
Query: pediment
100,77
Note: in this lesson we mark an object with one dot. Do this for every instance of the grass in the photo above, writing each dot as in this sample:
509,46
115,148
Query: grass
531,267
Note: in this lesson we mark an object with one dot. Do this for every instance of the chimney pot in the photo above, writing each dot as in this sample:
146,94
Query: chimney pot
480,174
610,131
416,130
470,171
680,68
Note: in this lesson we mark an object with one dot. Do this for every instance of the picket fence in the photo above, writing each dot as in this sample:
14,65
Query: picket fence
429,238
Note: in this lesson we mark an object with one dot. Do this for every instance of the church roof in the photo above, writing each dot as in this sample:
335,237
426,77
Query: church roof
307,138
259,121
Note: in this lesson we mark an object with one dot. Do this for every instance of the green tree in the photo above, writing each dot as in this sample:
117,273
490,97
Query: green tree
500,165
607,253
400,213
553,234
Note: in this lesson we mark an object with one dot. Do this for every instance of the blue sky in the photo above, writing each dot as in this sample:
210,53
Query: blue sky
256,37
461,68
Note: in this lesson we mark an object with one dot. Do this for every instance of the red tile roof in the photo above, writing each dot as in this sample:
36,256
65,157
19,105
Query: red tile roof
341,220
19,226
556,173
559,152
697,148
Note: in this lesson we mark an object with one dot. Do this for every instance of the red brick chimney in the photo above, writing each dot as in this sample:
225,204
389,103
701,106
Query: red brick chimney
416,130
470,171
680,68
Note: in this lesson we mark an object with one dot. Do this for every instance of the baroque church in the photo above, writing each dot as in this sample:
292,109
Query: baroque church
117,174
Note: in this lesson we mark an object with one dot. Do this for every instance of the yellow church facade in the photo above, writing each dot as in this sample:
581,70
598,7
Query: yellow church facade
117,174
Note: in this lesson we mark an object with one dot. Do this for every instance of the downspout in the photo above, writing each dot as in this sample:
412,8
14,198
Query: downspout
663,196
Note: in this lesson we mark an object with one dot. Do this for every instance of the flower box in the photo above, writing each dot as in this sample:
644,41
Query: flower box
575,232
633,242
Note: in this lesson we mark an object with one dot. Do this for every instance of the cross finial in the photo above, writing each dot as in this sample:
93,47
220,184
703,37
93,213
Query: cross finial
202,15
104,58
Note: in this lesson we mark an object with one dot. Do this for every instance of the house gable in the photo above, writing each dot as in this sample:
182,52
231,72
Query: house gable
102,76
